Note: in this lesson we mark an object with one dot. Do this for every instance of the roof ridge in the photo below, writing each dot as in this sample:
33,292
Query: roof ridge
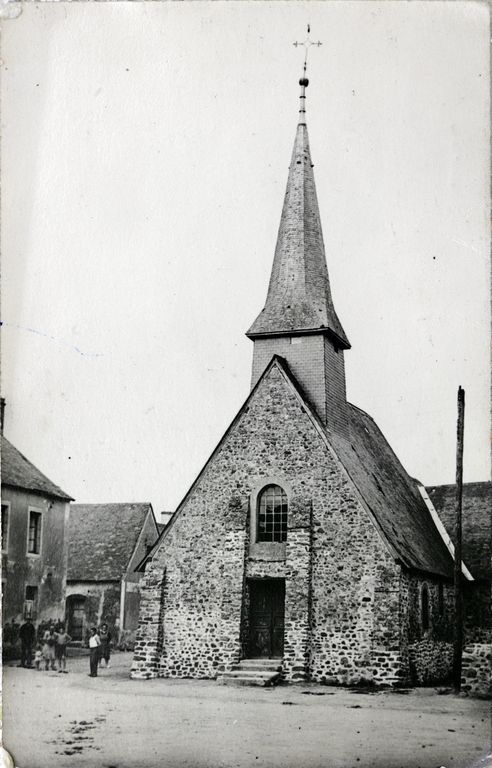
111,503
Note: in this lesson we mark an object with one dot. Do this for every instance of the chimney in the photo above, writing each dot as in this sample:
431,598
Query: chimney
2,413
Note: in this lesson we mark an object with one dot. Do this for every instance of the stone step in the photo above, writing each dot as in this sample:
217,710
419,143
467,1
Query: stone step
244,678
251,672
271,668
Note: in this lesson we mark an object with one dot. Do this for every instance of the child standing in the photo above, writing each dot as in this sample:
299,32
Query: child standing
38,656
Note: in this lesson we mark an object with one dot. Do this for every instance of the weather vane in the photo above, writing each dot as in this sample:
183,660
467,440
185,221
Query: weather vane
307,43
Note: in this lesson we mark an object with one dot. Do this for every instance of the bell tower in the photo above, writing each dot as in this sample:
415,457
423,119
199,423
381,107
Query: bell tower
298,321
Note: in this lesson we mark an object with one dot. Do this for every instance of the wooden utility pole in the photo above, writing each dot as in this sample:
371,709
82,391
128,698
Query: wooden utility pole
458,598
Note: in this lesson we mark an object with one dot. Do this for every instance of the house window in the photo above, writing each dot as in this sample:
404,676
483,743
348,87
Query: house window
425,608
5,526
272,514
34,535
30,602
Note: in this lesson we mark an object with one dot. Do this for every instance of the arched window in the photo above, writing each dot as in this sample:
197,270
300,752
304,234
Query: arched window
272,514
425,608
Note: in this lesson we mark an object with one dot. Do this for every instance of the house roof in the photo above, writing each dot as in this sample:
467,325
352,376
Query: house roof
102,539
476,522
299,295
389,494
19,472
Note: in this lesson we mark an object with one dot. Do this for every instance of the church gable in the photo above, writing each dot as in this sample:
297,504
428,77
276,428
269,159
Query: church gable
274,435
271,435
214,557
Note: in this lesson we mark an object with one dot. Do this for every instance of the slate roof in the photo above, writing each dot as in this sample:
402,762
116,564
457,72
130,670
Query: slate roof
476,522
19,472
299,296
390,495
102,538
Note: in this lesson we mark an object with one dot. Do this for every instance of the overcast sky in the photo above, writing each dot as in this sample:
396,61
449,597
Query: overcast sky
145,155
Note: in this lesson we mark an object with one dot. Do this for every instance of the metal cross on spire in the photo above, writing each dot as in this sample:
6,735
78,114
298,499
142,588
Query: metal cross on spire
307,43
304,82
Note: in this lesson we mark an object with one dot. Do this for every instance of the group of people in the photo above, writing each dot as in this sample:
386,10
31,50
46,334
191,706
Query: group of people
50,650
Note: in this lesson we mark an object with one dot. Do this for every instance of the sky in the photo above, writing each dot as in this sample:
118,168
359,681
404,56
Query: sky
145,149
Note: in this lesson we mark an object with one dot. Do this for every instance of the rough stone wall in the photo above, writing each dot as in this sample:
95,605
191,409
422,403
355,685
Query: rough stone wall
476,670
355,625
149,639
341,609
297,627
427,653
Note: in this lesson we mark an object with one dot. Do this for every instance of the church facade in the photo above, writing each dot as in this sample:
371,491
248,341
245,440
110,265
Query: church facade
303,539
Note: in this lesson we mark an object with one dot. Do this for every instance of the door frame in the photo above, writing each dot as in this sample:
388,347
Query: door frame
281,583
69,607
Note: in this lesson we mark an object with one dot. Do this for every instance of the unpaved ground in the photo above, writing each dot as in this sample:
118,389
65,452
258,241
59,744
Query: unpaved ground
55,721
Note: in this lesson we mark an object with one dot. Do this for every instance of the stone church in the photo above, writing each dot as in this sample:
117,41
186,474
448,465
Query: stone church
303,543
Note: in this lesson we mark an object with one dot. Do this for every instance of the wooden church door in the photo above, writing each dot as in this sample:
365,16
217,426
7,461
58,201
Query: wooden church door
266,618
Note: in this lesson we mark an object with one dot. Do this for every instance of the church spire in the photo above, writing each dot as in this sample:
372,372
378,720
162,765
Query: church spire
299,322
299,297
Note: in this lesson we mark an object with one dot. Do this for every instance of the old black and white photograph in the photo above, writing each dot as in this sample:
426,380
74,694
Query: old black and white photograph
245,394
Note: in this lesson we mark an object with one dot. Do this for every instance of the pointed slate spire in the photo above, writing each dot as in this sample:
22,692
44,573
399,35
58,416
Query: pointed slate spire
299,297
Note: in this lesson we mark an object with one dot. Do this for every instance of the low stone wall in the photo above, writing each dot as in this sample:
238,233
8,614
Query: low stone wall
431,661
476,668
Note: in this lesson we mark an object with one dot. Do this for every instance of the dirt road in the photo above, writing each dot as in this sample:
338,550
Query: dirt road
54,721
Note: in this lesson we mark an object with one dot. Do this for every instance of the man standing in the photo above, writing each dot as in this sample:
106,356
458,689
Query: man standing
94,643
27,635
62,638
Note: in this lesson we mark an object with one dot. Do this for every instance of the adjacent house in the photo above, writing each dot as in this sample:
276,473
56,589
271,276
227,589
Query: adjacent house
106,543
34,543
476,549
